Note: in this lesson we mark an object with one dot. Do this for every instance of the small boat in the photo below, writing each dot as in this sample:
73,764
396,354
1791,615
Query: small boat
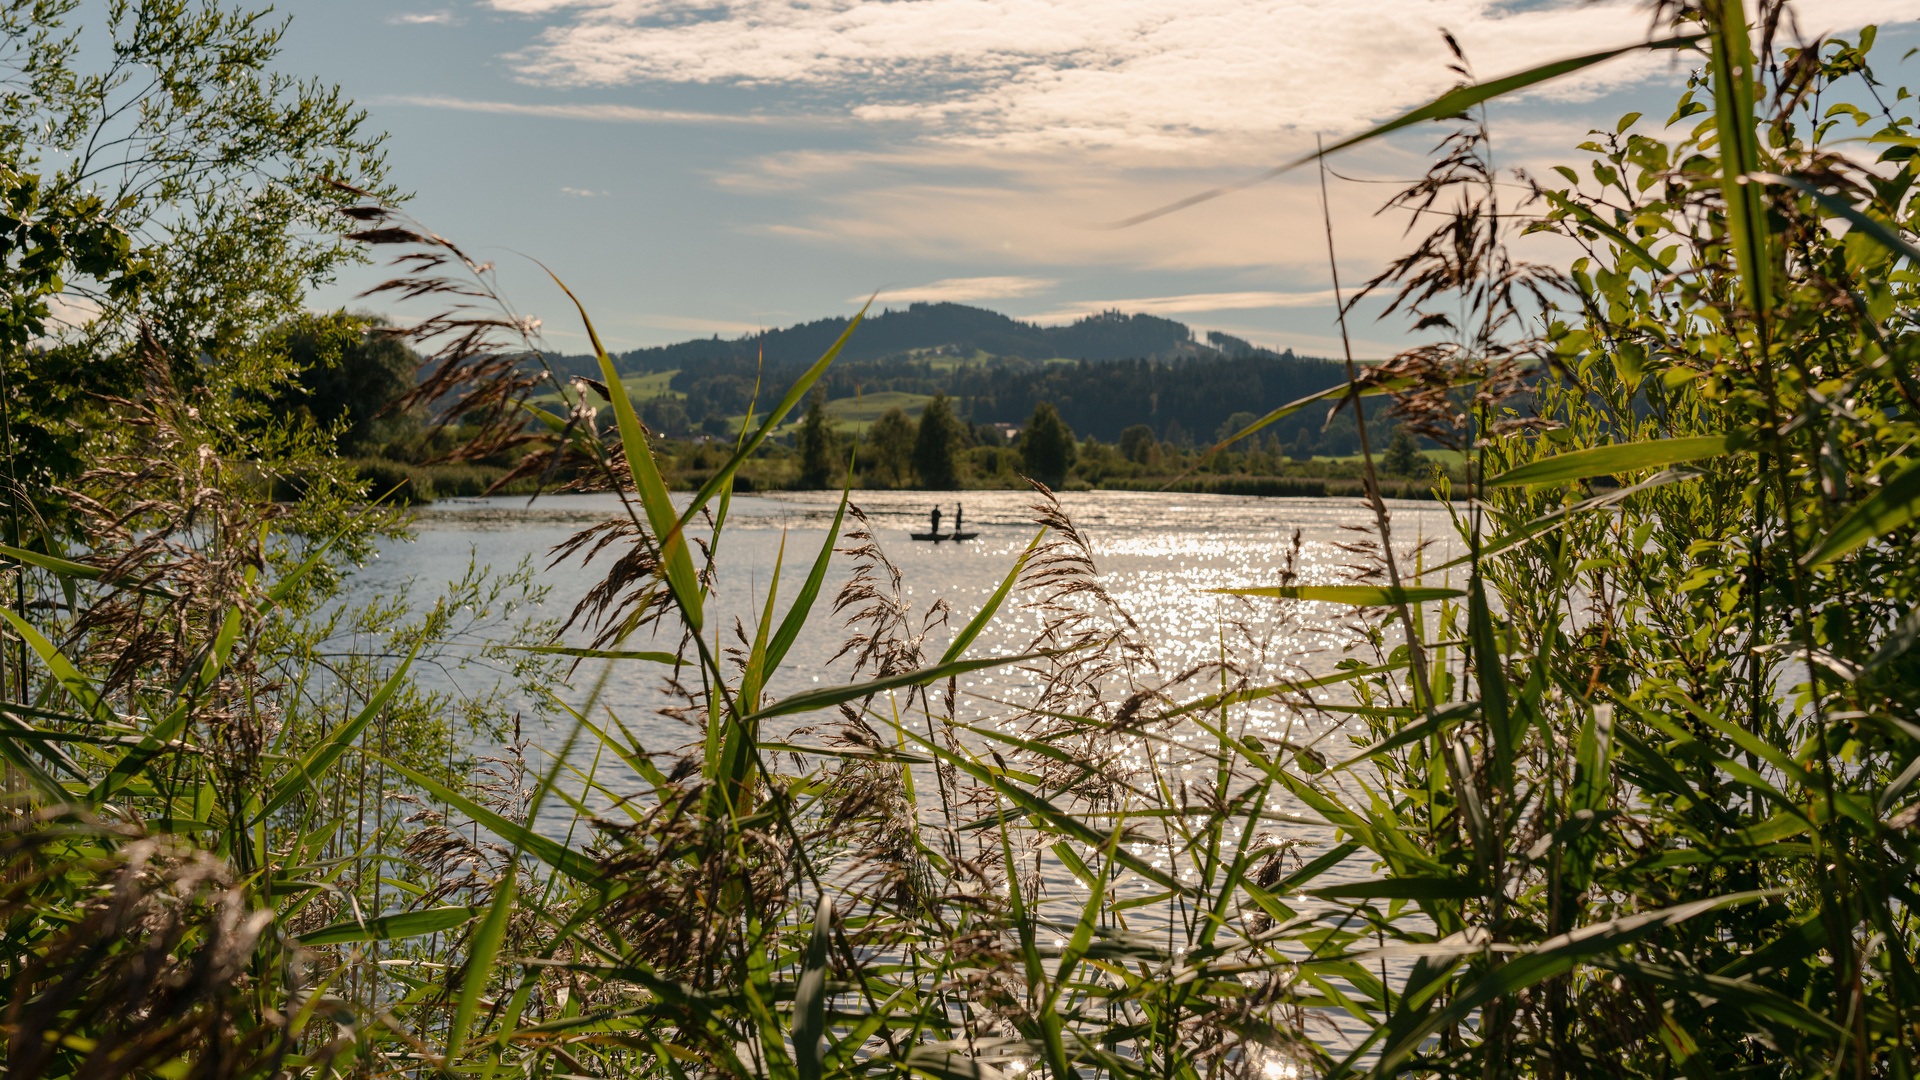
934,534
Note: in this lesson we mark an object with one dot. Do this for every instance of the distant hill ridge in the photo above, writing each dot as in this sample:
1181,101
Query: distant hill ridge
1103,373
1110,335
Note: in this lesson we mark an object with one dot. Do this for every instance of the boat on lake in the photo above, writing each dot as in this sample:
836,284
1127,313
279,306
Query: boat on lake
936,536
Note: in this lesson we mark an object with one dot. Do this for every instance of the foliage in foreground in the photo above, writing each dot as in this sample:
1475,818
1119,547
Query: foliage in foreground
1629,785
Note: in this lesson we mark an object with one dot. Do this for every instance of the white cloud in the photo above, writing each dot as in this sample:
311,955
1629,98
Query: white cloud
619,114
958,289
697,326
581,193
442,17
1152,74
1192,302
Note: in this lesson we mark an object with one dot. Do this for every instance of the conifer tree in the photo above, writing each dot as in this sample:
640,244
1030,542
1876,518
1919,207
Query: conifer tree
891,441
816,443
1403,456
936,452
1047,447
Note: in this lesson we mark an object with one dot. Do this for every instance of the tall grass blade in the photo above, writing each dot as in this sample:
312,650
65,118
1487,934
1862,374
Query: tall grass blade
482,950
1890,507
1620,458
321,758
987,611
390,927
1450,104
552,852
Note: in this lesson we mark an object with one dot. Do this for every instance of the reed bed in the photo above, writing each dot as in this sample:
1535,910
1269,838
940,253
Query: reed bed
1625,790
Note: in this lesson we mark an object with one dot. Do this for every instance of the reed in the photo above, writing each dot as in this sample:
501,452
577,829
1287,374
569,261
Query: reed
1631,781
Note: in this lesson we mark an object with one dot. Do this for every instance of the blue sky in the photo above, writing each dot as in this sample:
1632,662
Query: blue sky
694,167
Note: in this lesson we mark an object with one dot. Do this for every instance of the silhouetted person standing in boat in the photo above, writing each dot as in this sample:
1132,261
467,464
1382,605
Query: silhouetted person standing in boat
936,522
957,511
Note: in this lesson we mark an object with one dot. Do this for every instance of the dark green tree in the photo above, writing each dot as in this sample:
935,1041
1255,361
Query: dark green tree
891,439
1234,424
350,373
1047,447
1138,445
817,443
1403,456
1302,446
936,449
174,197
665,415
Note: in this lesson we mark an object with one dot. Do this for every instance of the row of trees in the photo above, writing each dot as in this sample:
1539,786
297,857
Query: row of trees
932,451
937,451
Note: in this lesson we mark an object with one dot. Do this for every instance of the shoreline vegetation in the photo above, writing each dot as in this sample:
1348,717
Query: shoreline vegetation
686,465
1629,789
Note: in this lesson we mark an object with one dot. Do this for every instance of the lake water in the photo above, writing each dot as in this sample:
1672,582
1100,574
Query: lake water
1157,555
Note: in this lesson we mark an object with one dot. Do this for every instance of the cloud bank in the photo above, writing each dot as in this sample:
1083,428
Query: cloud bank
1191,304
958,290
1031,74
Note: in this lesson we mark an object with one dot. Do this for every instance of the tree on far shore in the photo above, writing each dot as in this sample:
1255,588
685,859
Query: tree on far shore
1403,456
1047,447
892,440
936,450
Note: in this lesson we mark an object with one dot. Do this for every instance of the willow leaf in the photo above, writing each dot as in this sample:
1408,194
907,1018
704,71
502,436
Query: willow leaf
388,927
1888,508
1620,458
1358,595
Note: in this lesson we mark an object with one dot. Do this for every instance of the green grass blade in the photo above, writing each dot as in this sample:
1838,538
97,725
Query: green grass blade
1491,674
1357,595
1337,390
1751,997
992,606
1432,723
796,617
810,996
1733,83
1255,693
480,955
1620,458
66,568
12,734
724,475
552,852
652,490
831,696
1450,104
1401,888
1546,523
754,675
1890,507
68,676
598,654
1552,957
322,757
1867,224
388,927
1042,810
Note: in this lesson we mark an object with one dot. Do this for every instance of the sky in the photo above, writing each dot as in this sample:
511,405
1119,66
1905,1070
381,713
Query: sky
700,167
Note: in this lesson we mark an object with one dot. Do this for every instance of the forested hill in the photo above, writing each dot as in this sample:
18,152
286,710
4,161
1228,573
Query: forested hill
1197,395
955,329
1104,373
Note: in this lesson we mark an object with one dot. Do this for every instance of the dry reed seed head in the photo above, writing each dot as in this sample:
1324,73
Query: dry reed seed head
161,952
632,595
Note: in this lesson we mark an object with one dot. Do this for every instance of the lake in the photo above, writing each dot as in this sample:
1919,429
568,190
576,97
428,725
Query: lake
1157,555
